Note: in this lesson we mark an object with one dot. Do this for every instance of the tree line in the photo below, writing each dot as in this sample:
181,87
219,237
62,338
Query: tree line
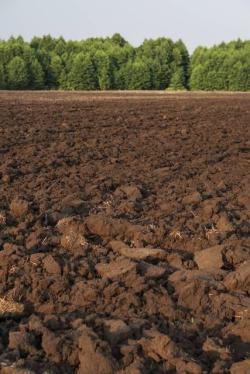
223,67
113,64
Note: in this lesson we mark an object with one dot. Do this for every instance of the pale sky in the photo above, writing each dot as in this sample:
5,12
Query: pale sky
196,22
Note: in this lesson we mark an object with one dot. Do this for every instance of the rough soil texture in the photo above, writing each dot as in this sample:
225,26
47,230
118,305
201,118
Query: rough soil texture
124,233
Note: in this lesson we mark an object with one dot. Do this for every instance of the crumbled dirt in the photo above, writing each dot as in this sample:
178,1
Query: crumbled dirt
124,233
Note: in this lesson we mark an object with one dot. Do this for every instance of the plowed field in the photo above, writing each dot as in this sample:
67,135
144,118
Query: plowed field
124,233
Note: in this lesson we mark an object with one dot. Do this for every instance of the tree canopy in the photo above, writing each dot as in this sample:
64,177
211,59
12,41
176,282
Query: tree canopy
112,63
222,67
17,74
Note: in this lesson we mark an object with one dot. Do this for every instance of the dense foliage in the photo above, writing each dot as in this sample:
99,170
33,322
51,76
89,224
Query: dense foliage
112,63
223,67
93,64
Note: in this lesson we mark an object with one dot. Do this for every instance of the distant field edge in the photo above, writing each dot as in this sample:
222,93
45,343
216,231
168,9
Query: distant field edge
88,96
121,92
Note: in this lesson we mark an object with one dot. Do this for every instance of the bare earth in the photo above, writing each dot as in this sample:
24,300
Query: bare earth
124,233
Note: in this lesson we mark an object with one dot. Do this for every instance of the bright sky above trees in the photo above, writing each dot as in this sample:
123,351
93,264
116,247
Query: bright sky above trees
196,22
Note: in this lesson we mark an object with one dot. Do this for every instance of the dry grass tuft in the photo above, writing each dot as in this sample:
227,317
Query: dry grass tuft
10,307
175,234
73,240
13,269
19,208
71,230
64,223
210,232
2,219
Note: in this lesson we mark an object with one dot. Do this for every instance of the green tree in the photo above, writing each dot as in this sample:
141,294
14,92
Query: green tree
138,76
44,59
17,74
222,67
197,78
60,47
181,63
36,75
161,52
56,70
104,70
178,79
83,73
239,78
118,40
2,77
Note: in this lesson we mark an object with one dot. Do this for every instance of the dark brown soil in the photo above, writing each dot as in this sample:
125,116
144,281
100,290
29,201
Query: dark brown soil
124,233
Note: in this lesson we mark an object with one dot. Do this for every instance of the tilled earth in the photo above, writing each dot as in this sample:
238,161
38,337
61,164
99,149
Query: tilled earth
124,233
